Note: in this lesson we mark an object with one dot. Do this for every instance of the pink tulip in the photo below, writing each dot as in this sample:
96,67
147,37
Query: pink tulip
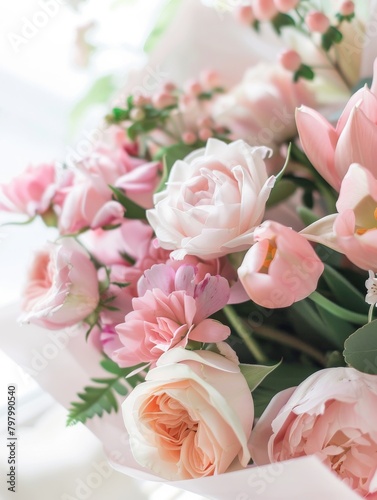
353,231
171,310
34,190
354,140
280,268
331,415
62,288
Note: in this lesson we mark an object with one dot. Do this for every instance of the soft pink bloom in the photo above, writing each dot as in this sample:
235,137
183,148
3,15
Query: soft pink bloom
89,202
192,417
213,200
354,140
280,268
332,415
62,287
261,109
172,309
33,191
353,231
347,8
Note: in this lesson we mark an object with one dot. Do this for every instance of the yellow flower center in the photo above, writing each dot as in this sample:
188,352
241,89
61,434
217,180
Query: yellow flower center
270,254
363,230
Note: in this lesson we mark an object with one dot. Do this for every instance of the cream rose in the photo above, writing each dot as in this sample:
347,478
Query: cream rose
192,417
213,200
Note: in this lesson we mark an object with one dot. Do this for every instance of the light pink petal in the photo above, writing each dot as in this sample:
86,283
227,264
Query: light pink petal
318,146
357,144
209,331
111,213
211,295
160,276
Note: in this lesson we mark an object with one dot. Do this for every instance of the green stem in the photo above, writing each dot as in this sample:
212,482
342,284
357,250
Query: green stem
336,310
285,339
245,334
370,313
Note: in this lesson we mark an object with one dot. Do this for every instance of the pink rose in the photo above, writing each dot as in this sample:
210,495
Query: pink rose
192,417
32,192
332,415
261,109
354,140
62,288
213,200
172,308
280,268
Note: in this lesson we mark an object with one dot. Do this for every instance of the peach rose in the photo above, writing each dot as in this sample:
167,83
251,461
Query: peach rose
192,417
332,415
213,200
62,288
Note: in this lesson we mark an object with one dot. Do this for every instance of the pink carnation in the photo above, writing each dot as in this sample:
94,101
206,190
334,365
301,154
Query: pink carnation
172,310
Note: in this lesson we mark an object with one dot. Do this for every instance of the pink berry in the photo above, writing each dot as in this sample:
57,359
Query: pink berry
290,60
163,100
210,78
317,22
193,87
168,87
347,8
141,100
286,5
205,134
264,10
204,122
244,14
189,137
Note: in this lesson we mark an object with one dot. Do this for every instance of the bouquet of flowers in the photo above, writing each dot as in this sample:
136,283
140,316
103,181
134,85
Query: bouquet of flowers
215,257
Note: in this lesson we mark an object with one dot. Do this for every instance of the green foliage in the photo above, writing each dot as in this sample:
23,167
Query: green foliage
361,349
255,374
164,19
332,36
305,72
102,398
286,375
281,21
133,210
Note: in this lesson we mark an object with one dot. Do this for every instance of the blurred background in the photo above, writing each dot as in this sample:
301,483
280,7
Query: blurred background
61,63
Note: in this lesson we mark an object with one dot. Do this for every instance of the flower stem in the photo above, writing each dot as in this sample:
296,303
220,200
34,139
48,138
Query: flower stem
288,340
370,313
336,310
245,334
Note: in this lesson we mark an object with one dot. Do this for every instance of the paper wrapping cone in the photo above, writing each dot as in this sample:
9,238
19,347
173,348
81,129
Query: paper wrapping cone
62,363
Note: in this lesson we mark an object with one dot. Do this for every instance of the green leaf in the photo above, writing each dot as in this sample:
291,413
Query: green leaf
281,191
133,210
286,375
306,215
165,17
281,21
94,401
304,71
346,294
170,155
99,93
255,374
332,35
361,349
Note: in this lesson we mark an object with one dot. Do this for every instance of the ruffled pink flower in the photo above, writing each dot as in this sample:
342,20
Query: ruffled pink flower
171,310
332,415
354,140
34,190
353,231
280,268
89,202
62,289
